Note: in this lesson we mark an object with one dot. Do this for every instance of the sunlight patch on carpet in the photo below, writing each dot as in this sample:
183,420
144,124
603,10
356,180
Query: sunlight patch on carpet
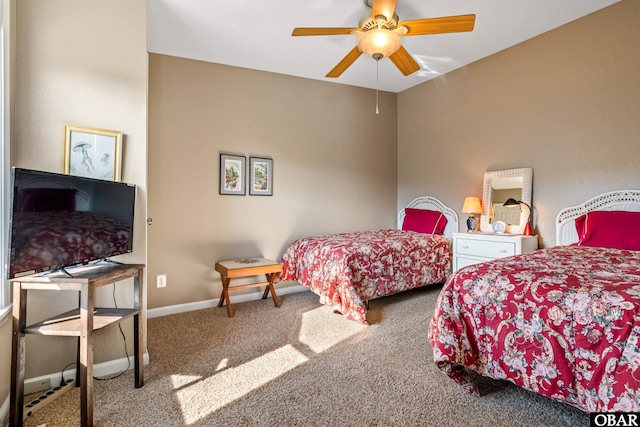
223,364
179,381
320,330
196,400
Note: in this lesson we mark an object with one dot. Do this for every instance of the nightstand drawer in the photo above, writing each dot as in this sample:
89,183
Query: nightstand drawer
485,248
472,248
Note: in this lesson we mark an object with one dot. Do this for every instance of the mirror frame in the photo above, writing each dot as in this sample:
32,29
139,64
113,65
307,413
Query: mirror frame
527,188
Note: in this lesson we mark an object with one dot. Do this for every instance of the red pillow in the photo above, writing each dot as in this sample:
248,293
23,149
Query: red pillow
424,221
609,229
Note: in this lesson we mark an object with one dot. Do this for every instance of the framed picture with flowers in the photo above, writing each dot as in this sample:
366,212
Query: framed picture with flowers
232,174
260,176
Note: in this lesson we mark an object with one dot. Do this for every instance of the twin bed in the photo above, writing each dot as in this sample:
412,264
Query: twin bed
347,270
563,322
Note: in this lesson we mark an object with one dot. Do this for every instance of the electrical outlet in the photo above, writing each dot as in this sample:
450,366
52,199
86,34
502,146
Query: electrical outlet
161,280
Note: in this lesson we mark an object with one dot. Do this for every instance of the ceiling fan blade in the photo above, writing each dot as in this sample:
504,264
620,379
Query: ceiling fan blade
321,31
385,8
448,24
345,63
404,61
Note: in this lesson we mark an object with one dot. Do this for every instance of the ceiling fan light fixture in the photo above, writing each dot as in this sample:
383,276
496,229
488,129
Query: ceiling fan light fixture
379,34
379,43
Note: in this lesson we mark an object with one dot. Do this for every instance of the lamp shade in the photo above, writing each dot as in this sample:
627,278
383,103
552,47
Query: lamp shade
379,43
472,205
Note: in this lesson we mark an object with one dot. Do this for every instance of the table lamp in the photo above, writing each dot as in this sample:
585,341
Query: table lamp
472,206
513,202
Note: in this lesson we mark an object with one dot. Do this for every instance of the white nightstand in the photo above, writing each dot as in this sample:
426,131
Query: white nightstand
474,248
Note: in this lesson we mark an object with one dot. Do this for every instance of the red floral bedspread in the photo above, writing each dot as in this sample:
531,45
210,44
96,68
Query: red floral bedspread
562,322
348,269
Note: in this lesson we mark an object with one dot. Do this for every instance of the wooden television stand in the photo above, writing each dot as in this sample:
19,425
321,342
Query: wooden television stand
80,323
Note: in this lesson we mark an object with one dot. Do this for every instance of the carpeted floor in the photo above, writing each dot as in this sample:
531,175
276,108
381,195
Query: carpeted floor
302,365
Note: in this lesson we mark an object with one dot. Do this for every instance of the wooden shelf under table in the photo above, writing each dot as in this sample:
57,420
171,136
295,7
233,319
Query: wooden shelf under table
69,324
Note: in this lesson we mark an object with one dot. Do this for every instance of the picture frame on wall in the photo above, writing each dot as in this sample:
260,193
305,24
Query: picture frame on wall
232,174
92,152
260,176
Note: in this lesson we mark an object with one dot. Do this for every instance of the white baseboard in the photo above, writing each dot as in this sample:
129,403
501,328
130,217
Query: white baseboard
4,413
103,369
183,308
99,370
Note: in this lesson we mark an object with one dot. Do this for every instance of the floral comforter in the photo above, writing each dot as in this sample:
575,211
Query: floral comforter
563,322
346,270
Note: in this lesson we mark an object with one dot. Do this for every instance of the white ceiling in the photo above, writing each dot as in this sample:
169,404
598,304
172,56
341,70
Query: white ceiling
257,34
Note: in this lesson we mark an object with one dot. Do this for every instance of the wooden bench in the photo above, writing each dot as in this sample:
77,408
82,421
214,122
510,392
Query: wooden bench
246,267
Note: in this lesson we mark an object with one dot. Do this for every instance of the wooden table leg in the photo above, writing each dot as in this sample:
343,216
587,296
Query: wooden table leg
86,356
138,338
78,343
16,411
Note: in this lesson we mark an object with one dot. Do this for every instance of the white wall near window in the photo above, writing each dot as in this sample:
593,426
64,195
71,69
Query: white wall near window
4,158
98,80
7,11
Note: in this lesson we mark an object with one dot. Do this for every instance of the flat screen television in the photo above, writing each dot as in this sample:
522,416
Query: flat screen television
59,221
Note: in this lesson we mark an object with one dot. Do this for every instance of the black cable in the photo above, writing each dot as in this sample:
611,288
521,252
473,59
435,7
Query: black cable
124,340
62,381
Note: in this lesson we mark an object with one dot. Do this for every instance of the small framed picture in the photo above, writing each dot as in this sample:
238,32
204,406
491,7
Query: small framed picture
260,176
232,174
93,153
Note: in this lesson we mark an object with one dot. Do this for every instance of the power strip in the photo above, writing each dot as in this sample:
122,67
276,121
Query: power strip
46,398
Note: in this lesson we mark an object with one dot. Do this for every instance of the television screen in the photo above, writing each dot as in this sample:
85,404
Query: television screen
62,220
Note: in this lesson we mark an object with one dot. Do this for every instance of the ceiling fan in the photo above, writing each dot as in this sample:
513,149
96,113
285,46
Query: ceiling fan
379,35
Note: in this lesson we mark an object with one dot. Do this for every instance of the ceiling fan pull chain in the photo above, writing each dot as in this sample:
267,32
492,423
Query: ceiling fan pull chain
377,74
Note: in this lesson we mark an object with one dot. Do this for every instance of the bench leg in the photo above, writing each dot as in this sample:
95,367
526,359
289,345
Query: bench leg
225,296
221,299
271,277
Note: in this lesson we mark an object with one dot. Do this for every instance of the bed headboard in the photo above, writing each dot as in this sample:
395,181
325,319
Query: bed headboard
622,200
428,202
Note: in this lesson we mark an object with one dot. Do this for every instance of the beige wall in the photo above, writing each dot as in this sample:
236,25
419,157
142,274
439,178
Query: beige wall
565,103
334,165
82,63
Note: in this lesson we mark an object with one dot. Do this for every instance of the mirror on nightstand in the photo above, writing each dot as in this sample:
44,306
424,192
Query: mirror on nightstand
500,186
